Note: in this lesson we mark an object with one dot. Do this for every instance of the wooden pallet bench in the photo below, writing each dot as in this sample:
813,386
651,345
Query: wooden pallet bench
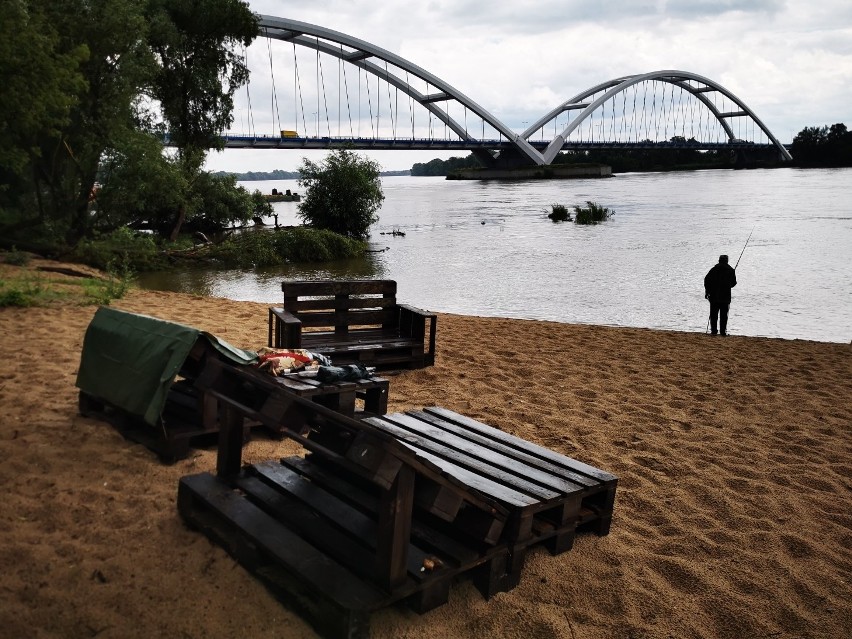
359,523
549,496
353,321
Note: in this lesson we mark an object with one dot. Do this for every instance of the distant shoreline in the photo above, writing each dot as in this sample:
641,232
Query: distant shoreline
257,176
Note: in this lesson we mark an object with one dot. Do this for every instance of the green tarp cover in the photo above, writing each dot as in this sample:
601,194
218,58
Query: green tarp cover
131,360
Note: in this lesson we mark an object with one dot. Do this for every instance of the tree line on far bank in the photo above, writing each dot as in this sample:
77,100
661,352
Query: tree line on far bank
812,147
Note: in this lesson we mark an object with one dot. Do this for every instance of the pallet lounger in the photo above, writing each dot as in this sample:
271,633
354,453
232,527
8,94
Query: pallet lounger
360,523
549,496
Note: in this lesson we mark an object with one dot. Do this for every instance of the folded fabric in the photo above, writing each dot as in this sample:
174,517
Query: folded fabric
283,361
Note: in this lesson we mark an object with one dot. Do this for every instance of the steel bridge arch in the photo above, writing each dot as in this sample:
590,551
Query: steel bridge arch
358,52
613,87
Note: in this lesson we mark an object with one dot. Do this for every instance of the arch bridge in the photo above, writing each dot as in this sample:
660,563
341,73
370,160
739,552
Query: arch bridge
383,101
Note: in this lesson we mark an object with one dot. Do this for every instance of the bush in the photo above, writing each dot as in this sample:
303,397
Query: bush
136,251
591,213
342,194
103,291
26,291
261,247
16,257
559,213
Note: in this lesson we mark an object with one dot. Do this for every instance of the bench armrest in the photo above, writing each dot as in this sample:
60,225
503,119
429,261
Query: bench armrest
417,311
285,329
412,323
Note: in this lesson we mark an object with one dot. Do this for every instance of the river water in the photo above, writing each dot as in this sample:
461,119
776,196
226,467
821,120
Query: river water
487,248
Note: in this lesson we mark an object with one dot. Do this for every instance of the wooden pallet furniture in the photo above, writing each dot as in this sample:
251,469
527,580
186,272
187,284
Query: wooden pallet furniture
549,496
353,321
359,523
340,396
137,373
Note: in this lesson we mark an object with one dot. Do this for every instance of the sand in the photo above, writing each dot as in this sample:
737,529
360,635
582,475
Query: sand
733,515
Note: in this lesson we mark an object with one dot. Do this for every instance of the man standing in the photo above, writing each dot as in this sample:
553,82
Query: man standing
717,288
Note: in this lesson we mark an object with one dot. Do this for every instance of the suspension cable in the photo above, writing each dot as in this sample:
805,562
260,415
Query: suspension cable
298,85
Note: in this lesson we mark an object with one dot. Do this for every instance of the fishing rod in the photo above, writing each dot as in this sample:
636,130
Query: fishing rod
748,239
744,248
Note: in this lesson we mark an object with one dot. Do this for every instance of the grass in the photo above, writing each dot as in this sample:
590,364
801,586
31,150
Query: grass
25,286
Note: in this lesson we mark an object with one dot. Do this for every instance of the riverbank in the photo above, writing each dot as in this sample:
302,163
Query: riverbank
732,517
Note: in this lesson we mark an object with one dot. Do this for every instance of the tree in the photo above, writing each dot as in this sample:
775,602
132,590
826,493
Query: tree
41,84
342,194
199,68
118,65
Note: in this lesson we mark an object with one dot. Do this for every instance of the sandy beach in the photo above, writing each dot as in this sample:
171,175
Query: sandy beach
733,516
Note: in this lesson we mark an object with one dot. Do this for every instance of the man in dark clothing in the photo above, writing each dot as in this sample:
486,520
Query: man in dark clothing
717,288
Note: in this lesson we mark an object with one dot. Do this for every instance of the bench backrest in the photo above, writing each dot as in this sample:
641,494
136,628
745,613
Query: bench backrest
343,304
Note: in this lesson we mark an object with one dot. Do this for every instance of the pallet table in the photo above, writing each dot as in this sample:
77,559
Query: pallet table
340,396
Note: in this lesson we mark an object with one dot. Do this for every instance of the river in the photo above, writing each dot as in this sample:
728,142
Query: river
487,248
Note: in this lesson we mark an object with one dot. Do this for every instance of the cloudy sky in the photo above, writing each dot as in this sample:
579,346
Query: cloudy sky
789,61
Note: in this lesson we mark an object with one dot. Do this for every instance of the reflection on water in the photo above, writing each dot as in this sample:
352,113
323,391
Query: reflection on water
261,284
487,248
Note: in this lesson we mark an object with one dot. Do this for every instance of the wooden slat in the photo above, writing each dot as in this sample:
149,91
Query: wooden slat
575,479
425,535
459,448
334,287
287,548
351,319
522,444
304,305
491,469
340,531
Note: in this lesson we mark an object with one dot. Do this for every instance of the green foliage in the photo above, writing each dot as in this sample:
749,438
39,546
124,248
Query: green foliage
124,247
219,203
342,195
141,185
592,213
199,47
119,279
82,82
823,146
559,213
261,206
261,248
26,291
16,257
445,167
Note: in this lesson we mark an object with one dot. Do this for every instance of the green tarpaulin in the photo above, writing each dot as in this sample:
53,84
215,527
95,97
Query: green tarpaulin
131,360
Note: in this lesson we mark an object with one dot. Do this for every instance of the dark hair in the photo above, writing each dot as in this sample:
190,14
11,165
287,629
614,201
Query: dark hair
723,259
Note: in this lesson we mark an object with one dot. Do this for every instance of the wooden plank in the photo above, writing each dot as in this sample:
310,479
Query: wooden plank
306,305
461,448
426,536
351,319
477,460
288,549
474,480
575,480
333,287
346,549
394,529
522,444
